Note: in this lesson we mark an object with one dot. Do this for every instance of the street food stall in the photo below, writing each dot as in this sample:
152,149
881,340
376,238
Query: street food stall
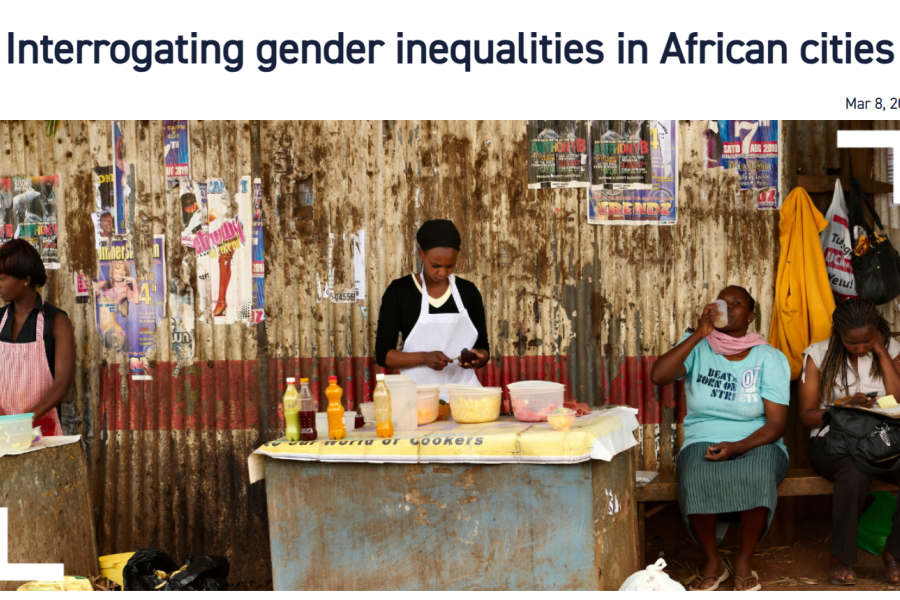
499,505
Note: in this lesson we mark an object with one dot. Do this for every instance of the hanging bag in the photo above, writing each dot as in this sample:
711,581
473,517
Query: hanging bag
837,246
870,440
876,268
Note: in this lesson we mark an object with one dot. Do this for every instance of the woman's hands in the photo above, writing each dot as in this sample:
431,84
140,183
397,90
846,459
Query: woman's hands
482,359
436,360
705,324
722,451
861,400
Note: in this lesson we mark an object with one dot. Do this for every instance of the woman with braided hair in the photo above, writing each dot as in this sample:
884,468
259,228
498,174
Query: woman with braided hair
860,359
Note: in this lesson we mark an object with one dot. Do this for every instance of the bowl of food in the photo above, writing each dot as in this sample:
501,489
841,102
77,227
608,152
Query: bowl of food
561,418
533,404
469,404
15,433
368,411
428,403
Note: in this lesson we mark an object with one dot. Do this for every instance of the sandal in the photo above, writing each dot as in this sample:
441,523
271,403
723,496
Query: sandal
741,580
839,572
716,582
892,572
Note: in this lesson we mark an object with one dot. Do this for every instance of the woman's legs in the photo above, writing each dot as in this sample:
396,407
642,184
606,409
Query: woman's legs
704,527
753,524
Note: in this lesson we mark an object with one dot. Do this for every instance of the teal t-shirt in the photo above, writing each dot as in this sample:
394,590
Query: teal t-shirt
725,398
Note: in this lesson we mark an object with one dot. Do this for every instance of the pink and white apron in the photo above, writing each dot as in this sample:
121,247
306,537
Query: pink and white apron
25,378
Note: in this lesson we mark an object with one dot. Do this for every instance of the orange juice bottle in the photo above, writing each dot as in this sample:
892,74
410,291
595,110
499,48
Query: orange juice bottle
382,398
336,428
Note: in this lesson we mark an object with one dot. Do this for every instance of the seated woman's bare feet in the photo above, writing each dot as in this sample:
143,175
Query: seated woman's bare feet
712,571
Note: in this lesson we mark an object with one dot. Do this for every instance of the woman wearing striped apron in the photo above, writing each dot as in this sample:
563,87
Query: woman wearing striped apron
37,343
737,389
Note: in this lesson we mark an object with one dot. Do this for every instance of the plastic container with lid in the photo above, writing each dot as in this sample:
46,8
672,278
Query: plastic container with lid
403,402
472,404
561,418
532,400
428,403
15,433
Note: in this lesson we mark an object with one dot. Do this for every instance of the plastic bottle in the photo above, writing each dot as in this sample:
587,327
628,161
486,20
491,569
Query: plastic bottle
721,320
291,411
336,428
382,397
307,413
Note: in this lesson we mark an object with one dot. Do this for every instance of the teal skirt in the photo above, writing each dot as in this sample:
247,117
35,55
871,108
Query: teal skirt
727,488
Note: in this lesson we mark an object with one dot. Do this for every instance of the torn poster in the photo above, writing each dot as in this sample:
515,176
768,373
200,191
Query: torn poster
202,249
327,292
193,218
258,311
177,150
34,214
230,230
7,214
181,307
128,307
358,241
104,217
557,154
124,179
82,288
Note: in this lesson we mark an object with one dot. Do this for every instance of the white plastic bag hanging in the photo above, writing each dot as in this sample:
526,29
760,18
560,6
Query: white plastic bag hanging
837,246
653,579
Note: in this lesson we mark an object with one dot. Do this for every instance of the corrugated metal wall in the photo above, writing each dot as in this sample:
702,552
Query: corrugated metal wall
592,306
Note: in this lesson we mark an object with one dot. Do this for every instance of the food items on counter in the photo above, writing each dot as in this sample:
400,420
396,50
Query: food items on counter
308,407
473,404
580,408
428,404
368,412
15,432
336,428
443,411
466,356
561,418
382,399
291,402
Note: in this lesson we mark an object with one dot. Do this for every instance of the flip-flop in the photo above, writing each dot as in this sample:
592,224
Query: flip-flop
721,578
753,575
838,568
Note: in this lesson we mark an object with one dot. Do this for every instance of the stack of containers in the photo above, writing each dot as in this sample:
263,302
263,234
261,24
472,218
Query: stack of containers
403,402
532,400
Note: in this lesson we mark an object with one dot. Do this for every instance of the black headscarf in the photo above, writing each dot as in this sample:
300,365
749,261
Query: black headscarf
438,233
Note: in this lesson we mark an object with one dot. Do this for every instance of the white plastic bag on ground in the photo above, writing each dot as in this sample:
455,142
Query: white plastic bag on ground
653,579
837,244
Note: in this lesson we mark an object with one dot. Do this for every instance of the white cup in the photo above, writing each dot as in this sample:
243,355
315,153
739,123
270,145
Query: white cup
721,320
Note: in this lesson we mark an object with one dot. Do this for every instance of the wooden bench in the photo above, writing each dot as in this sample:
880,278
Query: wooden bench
799,482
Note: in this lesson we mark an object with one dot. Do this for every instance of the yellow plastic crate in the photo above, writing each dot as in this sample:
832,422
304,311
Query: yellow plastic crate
111,566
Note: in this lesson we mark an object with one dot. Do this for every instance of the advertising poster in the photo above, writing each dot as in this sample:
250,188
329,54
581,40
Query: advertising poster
203,249
34,214
751,147
82,288
129,307
258,311
192,216
177,150
635,177
557,154
230,230
104,218
7,215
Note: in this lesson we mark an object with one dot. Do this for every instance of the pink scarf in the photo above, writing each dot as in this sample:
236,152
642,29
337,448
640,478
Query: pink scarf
729,346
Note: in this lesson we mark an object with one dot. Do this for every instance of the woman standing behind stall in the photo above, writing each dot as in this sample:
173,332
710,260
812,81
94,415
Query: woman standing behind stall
859,358
437,313
37,343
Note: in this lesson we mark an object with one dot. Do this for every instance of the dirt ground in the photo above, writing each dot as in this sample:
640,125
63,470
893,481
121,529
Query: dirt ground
801,566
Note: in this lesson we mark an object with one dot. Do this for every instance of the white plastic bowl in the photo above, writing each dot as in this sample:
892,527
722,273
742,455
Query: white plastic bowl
474,405
15,433
368,411
535,385
428,405
532,406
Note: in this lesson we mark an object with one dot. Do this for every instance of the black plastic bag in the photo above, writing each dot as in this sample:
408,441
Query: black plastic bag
877,272
207,573
140,573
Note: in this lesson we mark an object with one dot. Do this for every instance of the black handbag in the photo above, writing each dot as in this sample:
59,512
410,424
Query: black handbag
870,440
877,272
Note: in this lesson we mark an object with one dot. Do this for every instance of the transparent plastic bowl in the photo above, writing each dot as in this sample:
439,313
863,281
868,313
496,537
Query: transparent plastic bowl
536,385
561,421
15,433
474,405
428,405
368,411
532,406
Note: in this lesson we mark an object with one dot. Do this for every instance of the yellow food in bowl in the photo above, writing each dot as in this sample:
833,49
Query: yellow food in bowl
475,409
561,422
428,415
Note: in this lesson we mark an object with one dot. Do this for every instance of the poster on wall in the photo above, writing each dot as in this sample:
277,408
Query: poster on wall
230,260
129,307
104,217
34,214
193,210
633,173
751,147
177,151
123,188
258,310
557,154
203,248
7,214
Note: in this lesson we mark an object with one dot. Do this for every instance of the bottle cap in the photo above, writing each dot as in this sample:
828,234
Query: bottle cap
290,380
332,379
304,380
379,377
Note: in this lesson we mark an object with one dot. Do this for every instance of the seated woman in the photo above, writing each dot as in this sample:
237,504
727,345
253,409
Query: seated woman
859,358
732,460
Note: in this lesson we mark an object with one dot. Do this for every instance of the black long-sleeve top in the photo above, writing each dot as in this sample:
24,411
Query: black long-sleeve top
402,303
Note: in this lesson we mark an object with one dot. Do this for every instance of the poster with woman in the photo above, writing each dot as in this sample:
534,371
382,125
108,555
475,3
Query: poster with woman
230,259
129,307
34,213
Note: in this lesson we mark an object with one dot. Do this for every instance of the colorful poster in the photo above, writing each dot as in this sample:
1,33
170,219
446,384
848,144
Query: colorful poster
128,307
192,217
34,214
230,231
177,150
124,183
258,311
82,288
751,147
104,218
7,214
557,154
635,178
202,248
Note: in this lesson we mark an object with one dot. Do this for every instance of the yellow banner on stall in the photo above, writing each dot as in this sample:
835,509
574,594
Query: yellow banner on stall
502,441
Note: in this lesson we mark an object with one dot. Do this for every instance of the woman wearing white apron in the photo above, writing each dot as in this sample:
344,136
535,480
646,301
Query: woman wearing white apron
436,313
37,343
